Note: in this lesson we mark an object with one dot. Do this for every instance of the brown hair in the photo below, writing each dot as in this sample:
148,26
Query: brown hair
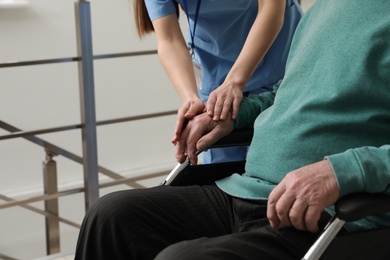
142,21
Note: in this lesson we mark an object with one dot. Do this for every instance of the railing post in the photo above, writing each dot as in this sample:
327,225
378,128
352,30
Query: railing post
51,205
87,101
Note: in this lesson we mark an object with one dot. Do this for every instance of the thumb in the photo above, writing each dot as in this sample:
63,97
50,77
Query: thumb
203,144
208,140
193,110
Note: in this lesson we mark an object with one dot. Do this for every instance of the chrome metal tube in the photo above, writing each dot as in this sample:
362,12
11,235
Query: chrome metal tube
51,222
87,102
329,233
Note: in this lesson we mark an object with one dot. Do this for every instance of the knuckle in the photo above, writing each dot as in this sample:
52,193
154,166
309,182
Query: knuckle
195,120
272,217
281,210
295,218
271,201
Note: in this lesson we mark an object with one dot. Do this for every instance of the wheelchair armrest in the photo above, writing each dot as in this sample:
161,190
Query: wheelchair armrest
186,174
348,208
359,205
241,137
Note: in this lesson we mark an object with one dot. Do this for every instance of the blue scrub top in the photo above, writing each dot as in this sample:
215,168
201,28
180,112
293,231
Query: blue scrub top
221,31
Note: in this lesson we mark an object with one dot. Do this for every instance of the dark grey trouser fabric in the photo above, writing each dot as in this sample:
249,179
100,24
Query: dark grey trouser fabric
185,223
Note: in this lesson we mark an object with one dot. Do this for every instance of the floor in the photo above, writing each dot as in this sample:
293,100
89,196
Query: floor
60,256
69,257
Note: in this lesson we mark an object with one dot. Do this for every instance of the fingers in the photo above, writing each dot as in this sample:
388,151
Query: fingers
273,199
301,197
186,112
290,212
286,209
297,214
191,134
198,134
211,104
224,101
180,122
186,149
235,108
219,108
226,108
180,148
194,109
313,215
221,130
190,145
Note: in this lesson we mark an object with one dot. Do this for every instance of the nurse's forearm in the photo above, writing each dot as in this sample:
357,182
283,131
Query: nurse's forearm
263,33
175,57
177,63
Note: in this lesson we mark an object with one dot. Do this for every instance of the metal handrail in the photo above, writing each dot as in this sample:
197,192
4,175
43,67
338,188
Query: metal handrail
131,181
19,133
73,59
88,126
60,151
39,211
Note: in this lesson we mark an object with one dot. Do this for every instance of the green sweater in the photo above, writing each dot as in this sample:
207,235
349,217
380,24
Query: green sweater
334,103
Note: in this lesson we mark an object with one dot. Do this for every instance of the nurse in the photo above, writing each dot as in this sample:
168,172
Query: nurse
234,48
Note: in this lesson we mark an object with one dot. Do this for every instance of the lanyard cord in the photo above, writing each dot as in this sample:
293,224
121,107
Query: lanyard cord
192,32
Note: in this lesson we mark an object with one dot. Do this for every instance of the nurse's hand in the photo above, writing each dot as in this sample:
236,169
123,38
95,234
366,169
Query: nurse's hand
186,112
227,98
300,198
199,134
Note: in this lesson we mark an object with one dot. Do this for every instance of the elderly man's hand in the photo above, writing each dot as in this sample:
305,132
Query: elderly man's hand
300,198
199,134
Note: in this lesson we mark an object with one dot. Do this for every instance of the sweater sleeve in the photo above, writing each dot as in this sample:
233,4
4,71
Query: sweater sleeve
252,106
364,169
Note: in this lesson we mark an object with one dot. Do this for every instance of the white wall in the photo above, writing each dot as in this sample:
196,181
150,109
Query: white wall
43,96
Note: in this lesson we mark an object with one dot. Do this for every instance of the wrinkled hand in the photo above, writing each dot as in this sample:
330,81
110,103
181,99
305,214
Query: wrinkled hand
199,134
300,198
225,99
186,112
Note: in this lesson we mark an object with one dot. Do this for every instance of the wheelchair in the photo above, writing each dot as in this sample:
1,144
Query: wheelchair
331,244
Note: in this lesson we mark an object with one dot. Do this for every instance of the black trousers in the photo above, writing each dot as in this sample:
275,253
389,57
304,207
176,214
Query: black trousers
184,223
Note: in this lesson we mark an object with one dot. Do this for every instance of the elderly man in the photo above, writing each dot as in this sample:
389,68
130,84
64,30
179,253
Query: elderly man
321,134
